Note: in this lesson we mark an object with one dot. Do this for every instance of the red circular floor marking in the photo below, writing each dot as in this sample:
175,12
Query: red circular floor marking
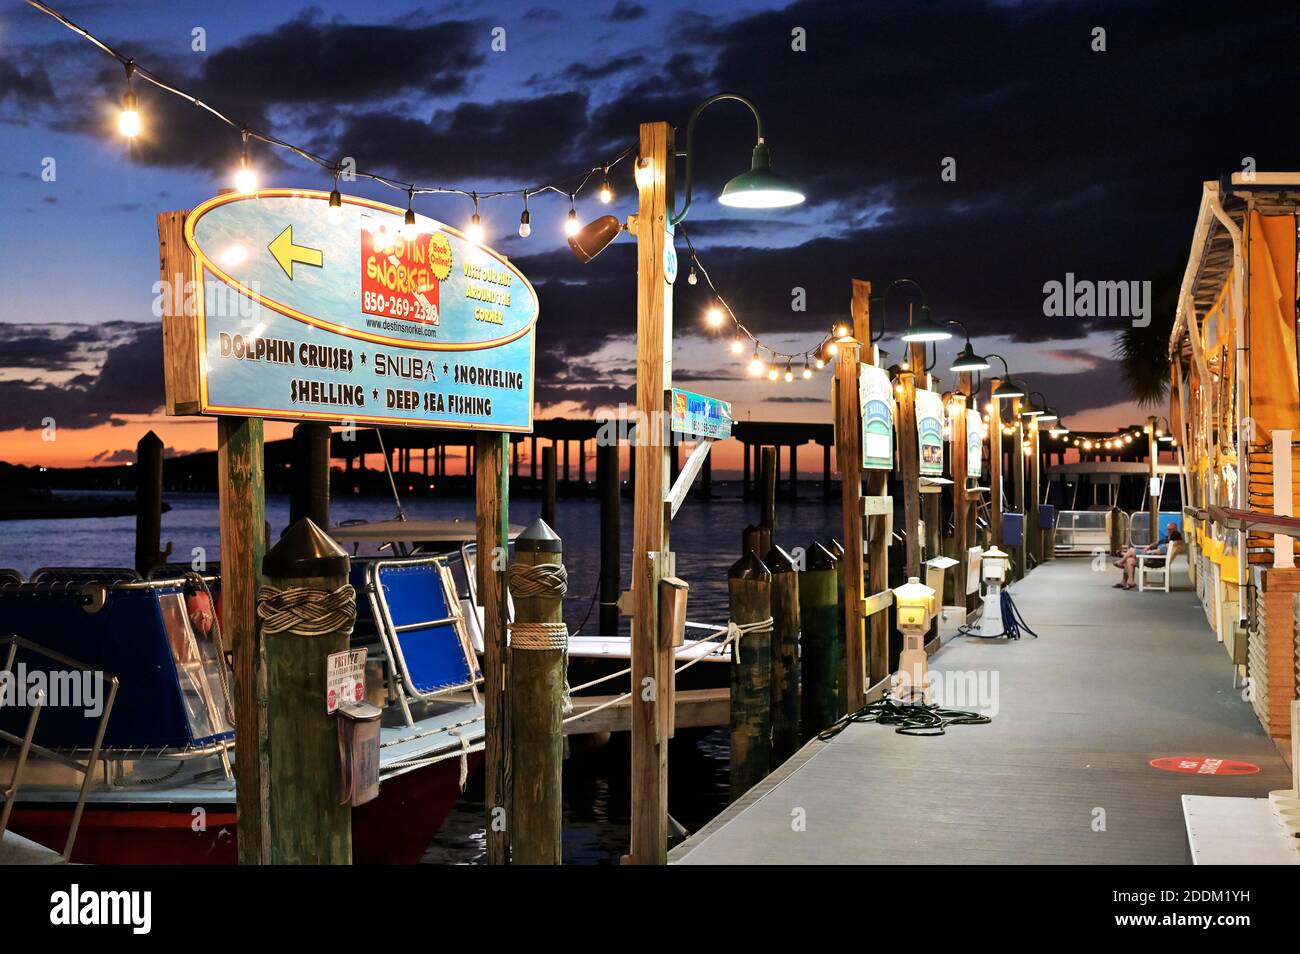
1203,765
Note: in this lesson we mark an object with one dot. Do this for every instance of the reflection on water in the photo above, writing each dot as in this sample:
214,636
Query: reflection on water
705,536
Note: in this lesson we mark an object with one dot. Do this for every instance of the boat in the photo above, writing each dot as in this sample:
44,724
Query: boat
146,773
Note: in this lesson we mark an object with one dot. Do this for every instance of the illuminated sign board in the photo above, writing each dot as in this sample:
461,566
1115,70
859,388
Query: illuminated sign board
345,315
929,432
974,443
700,416
876,404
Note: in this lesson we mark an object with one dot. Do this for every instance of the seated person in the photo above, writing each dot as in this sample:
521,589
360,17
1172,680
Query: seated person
1128,562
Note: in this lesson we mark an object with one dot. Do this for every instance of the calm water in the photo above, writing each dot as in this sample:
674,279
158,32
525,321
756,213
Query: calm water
705,535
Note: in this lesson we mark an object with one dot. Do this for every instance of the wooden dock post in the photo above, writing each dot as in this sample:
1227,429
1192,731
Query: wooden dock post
491,513
785,654
148,503
607,477
837,550
960,495
749,589
768,483
1032,460
909,457
995,464
548,484
538,650
310,480
242,503
1018,487
308,825
848,451
820,646
652,662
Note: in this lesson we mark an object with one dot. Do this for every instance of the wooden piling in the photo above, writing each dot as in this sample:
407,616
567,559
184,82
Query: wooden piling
785,654
837,550
242,504
148,503
1018,489
492,520
307,823
821,649
537,671
548,484
607,479
768,484
749,589
310,480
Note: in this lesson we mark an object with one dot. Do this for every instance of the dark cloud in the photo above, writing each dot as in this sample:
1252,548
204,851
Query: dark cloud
479,140
626,12
24,89
312,60
586,72
129,381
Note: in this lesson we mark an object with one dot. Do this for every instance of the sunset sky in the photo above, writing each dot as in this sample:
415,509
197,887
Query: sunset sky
1068,160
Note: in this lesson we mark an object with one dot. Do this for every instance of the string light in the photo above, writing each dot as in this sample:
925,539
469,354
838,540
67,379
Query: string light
719,311
571,224
245,177
128,122
335,212
606,193
130,125
409,229
474,231
525,220
691,279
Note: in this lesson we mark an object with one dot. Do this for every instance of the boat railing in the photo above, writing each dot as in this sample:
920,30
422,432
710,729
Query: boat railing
27,745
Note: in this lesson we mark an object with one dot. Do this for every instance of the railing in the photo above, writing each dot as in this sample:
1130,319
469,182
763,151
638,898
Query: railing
26,745
1082,531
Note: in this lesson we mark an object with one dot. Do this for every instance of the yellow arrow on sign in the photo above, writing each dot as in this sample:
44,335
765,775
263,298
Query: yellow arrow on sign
286,253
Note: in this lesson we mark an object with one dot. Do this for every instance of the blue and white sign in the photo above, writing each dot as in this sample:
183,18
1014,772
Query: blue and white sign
700,416
347,315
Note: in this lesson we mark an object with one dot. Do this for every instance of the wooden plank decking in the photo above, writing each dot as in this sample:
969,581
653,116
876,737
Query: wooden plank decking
1116,679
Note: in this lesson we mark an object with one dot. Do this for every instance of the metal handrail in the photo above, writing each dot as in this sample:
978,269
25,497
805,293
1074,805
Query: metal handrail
27,745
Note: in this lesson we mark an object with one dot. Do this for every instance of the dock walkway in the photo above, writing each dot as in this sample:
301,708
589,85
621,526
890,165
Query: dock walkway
1116,679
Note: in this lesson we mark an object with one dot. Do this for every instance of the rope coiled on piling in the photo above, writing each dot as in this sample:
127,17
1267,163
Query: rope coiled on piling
548,580
304,611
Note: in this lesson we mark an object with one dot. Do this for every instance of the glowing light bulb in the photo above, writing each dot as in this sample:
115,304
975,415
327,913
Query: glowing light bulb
571,223
820,362
525,224
335,212
756,365
807,371
736,346
772,374
245,177
714,317
128,121
789,374
606,193
474,231
832,348
691,279
409,229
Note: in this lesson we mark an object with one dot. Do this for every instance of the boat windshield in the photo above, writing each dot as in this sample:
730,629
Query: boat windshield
198,667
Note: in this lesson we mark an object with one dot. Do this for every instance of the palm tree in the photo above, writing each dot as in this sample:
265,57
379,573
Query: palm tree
1143,353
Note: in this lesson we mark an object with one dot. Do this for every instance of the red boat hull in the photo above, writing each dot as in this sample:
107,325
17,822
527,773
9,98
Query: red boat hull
395,829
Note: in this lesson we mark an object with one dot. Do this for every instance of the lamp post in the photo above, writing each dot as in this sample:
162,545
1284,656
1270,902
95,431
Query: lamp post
653,658
1000,389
